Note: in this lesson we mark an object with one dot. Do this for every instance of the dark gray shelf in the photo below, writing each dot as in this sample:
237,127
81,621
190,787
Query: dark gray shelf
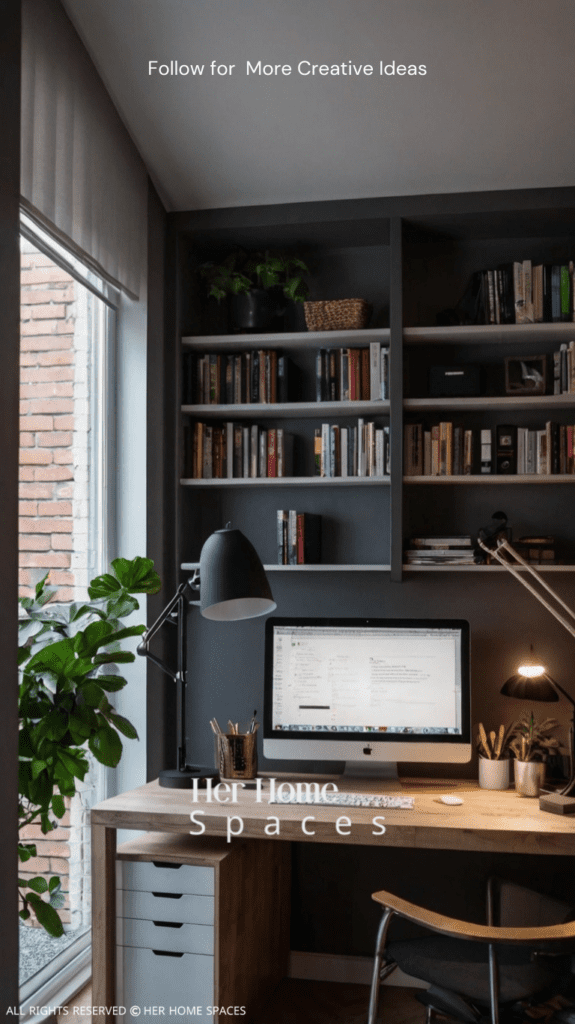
287,340
291,481
500,402
493,478
189,566
288,410
487,334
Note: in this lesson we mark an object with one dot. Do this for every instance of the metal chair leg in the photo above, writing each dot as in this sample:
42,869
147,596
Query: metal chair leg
379,951
494,985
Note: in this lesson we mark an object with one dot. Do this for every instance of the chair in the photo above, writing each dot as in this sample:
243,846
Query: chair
475,969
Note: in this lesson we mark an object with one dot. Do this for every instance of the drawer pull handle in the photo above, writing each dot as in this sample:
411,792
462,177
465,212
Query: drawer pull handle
165,864
168,895
164,952
167,924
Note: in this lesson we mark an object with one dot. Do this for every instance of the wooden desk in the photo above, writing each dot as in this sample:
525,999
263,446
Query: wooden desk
499,822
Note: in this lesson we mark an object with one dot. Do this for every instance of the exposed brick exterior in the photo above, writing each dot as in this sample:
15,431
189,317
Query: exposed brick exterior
53,530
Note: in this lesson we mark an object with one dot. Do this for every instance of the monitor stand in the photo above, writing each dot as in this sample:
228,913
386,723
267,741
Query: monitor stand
384,773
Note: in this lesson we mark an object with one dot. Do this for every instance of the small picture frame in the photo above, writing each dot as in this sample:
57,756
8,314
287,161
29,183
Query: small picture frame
525,375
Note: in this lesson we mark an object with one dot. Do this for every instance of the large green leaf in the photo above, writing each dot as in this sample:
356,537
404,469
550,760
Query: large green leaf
106,746
112,683
123,725
76,765
103,586
47,916
137,576
115,657
37,884
58,805
86,641
92,694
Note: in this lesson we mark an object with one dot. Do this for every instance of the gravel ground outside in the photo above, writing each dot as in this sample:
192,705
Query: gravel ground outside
37,948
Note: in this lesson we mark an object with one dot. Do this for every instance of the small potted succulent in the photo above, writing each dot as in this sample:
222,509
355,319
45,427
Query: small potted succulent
493,750
258,285
531,744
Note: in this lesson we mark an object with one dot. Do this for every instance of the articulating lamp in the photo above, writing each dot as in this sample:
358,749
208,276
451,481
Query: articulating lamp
232,585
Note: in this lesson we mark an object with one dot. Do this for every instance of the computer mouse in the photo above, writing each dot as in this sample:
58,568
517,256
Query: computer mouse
453,800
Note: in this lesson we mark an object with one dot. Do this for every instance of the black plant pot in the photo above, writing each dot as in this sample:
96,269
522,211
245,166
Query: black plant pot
257,311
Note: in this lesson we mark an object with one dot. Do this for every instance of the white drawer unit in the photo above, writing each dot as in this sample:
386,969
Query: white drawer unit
200,923
158,906
159,979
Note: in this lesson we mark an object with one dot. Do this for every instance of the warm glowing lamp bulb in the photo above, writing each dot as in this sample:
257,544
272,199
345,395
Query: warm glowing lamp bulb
531,671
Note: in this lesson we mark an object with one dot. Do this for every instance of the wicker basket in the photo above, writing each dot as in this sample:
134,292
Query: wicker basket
337,315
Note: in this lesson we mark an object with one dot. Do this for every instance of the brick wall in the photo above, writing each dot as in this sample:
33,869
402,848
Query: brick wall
53,492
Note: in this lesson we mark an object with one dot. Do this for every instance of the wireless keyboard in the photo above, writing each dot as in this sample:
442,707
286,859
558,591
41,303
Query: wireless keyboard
347,800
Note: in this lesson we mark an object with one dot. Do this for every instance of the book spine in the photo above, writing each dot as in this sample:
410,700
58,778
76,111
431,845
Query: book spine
486,451
318,469
343,436
435,451
281,536
518,298
379,445
292,537
384,374
283,365
527,292
565,292
468,453
300,538
325,457
263,453
254,445
272,454
374,370
345,374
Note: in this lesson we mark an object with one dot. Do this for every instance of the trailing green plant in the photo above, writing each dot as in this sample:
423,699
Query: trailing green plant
68,657
494,746
239,272
532,741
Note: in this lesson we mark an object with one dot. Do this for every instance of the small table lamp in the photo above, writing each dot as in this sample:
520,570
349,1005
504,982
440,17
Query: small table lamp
233,585
531,682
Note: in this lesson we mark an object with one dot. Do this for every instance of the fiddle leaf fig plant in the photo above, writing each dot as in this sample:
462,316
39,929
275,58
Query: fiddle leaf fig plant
69,657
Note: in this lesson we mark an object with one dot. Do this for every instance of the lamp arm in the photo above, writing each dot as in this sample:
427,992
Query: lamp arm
506,546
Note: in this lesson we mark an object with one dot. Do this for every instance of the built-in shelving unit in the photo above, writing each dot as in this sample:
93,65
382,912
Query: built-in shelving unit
411,258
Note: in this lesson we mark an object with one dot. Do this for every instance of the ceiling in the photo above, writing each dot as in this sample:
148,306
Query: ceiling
494,111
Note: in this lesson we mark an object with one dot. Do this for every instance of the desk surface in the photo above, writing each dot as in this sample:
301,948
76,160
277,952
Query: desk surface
486,820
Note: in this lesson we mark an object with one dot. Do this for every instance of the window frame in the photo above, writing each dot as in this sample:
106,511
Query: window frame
58,981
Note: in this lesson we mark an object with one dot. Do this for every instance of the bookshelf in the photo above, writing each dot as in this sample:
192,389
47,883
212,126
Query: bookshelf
410,257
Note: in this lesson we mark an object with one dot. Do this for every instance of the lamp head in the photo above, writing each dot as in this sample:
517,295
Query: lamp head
531,682
233,583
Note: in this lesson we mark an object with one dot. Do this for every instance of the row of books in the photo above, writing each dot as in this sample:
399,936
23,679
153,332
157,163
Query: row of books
233,378
231,451
352,374
298,537
351,451
441,551
521,293
564,370
450,450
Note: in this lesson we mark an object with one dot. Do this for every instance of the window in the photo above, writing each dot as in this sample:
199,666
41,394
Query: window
66,530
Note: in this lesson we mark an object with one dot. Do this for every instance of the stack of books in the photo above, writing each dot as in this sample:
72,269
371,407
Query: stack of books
352,374
235,378
564,370
441,551
299,537
233,451
520,293
443,450
351,451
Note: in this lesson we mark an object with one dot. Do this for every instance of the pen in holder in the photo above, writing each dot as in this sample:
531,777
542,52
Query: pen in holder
237,755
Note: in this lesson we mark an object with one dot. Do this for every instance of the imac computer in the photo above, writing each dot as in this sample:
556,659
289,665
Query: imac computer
369,692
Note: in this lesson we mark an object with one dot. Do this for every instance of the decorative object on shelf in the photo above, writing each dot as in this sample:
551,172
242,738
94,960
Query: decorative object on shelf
454,381
233,585
525,375
537,550
337,315
68,655
494,759
258,283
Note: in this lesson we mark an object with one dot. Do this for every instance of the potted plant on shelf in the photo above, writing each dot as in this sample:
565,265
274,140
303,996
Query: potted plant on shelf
68,656
258,285
531,744
493,750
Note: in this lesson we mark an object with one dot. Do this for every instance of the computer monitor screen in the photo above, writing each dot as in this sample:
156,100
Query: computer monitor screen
367,689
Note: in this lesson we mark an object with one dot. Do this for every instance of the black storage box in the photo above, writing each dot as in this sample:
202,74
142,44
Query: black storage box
454,381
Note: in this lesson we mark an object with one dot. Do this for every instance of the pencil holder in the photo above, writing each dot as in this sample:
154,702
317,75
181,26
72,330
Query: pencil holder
237,756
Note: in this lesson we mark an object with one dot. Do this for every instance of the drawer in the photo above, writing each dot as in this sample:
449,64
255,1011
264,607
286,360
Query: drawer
151,876
177,938
149,979
178,907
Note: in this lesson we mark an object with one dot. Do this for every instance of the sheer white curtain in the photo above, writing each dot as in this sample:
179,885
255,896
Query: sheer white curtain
82,176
